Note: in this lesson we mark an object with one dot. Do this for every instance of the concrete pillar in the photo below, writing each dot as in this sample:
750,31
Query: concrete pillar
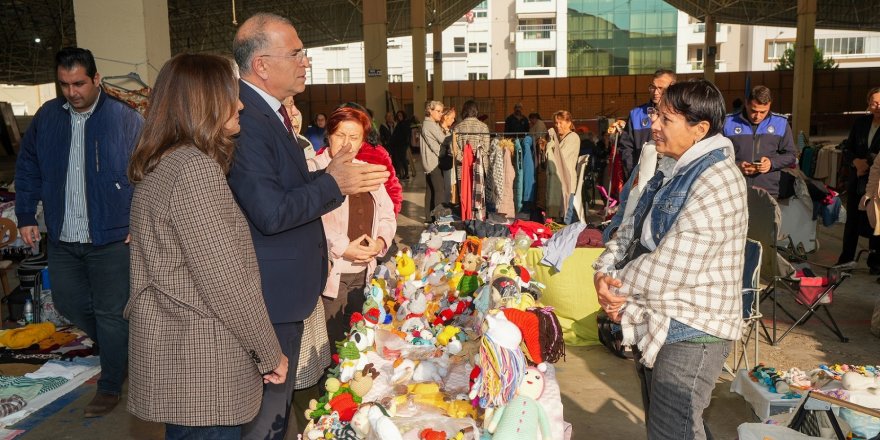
125,35
438,62
804,48
376,56
710,49
420,83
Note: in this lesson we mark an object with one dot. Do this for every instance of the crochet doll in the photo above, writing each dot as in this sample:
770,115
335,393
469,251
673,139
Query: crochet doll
522,417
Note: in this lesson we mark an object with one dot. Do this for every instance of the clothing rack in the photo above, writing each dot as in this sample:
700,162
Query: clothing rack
494,133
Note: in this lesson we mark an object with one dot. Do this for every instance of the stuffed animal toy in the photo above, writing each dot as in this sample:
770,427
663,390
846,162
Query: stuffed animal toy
325,424
345,405
331,402
375,298
362,336
470,281
362,382
447,335
431,370
373,418
457,307
854,381
406,266
402,371
522,417
350,360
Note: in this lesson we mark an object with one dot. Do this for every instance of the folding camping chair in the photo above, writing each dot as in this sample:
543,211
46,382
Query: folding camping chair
764,226
751,310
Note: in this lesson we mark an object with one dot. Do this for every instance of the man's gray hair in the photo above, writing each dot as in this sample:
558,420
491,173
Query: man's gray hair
431,105
254,39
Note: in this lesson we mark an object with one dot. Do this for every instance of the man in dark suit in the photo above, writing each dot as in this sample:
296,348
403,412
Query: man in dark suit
281,199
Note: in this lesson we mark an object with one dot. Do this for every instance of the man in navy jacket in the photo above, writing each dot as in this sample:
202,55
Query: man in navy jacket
762,141
74,158
281,199
638,126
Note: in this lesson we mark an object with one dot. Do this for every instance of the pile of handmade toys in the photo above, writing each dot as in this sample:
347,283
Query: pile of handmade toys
850,378
471,307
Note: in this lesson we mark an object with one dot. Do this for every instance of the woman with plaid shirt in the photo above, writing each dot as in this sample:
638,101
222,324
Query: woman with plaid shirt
672,275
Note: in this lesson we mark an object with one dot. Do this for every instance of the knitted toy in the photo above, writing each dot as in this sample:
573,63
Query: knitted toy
375,295
770,378
406,267
332,402
362,381
541,333
447,337
502,361
852,380
350,361
373,418
522,417
455,308
470,281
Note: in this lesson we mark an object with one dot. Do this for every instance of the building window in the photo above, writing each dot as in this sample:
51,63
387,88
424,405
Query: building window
395,78
458,44
536,59
478,47
481,14
775,49
473,76
337,76
480,11
536,28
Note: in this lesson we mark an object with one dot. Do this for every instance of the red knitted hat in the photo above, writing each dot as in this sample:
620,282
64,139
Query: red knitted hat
528,324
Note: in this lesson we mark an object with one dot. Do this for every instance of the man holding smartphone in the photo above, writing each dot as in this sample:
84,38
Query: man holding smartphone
762,141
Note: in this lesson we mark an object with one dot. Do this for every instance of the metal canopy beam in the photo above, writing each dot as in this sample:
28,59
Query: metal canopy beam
196,26
863,15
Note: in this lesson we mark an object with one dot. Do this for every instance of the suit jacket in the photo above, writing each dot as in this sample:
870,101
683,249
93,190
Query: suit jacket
283,203
431,139
200,336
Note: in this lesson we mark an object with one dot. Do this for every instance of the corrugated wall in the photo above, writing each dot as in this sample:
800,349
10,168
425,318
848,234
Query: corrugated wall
834,92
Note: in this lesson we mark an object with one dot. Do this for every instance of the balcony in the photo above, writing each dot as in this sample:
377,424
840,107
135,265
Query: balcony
697,66
535,37
535,6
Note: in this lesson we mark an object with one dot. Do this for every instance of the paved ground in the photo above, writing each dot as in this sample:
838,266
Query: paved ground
600,391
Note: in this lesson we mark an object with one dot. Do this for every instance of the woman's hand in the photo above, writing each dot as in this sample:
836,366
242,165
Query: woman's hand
361,249
279,374
610,302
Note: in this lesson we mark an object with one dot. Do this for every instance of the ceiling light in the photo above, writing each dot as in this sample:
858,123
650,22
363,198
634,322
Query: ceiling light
37,40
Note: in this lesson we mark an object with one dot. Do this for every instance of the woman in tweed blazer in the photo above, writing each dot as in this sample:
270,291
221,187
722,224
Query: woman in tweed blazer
201,344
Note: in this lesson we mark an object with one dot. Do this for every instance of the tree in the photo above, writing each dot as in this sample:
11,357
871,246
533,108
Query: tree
786,61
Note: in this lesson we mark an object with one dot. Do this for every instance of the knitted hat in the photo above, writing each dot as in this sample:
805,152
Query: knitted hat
529,326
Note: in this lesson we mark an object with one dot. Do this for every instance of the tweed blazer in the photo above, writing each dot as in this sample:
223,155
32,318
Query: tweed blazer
200,336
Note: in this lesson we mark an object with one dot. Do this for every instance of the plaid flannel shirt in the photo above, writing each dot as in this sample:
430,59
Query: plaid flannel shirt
695,273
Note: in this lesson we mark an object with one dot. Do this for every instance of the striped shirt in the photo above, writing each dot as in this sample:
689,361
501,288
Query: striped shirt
76,213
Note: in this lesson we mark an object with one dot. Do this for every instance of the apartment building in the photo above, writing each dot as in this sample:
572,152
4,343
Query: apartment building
556,38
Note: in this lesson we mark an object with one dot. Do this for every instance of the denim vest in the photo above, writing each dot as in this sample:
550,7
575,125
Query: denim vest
672,196
667,204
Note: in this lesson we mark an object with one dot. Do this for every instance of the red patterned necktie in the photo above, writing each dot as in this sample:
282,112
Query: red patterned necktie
287,124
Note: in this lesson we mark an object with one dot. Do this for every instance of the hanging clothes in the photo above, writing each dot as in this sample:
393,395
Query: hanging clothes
495,173
528,170
467,200
505,202
500,175
541,175
518,180
479,187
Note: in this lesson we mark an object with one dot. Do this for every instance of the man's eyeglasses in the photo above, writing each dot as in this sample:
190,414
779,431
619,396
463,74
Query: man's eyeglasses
652,88
874,105
298,57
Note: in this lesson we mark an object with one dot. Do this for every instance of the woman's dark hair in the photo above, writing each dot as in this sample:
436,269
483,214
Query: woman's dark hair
469,109
400,116
69,57
193,98
697,100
